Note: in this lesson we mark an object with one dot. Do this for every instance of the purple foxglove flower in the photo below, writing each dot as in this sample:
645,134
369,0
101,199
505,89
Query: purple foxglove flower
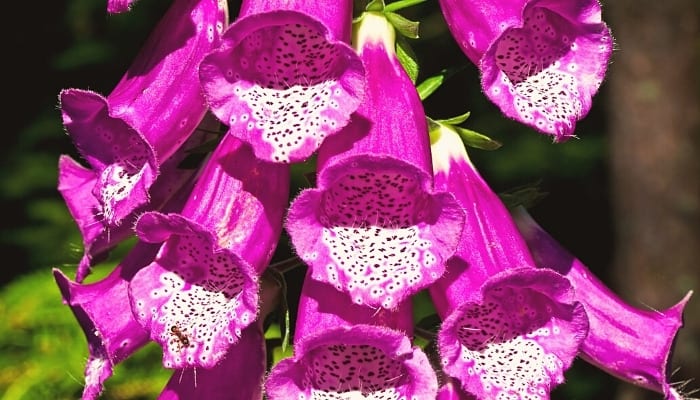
76,183
632,344
126,136
102,309
284,78
240,374
374,228
201,291
509,330
344,350
541,61
453,391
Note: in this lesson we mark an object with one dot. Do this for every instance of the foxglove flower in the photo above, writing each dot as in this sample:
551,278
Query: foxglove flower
201,291
126,136
349,351
509,330
541,61
284,78
374,228
631,344
239,375
102,309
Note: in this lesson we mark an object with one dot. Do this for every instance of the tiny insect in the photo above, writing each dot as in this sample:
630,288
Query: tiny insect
181,336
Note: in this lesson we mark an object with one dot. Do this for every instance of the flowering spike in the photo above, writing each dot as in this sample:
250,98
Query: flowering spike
202,290
351,351
102,309
638,350
127,136
509,329
374,228
284,80
541,61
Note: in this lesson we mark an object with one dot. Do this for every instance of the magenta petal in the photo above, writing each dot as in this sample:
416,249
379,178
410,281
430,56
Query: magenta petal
239,375
350,362
202,290
509,329
102,309
150,113
632,344
541,61
283,82
374,228
517,339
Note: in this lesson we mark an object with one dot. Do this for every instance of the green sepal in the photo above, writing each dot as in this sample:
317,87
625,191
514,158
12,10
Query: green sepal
431,84
401,4
403,25
477,140
375,5
456,120
407,58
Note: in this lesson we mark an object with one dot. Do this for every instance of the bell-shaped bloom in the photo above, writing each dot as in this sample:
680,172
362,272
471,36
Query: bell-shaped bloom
541,61
284,77
239,375
509,330
201,291
126,136
102,309
350,351
632,344
374,227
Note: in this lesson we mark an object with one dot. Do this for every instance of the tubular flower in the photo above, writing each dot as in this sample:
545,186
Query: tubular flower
350,351
374,228
509,330
239,375
102,309
126,136
201,291
541,61
631,344
284,79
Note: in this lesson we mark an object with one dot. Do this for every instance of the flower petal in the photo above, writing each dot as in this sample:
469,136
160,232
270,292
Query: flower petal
102,309
374,228
541,62
632,344
362,361
283,80
202,290
518,339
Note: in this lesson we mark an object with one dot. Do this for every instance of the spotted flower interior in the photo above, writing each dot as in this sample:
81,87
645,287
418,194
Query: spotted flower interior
283,85
550,67
507,344
195,300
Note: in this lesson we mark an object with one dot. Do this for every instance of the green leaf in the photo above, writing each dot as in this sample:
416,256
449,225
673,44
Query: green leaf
456,120
403,25
476,140
401,4
407,58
